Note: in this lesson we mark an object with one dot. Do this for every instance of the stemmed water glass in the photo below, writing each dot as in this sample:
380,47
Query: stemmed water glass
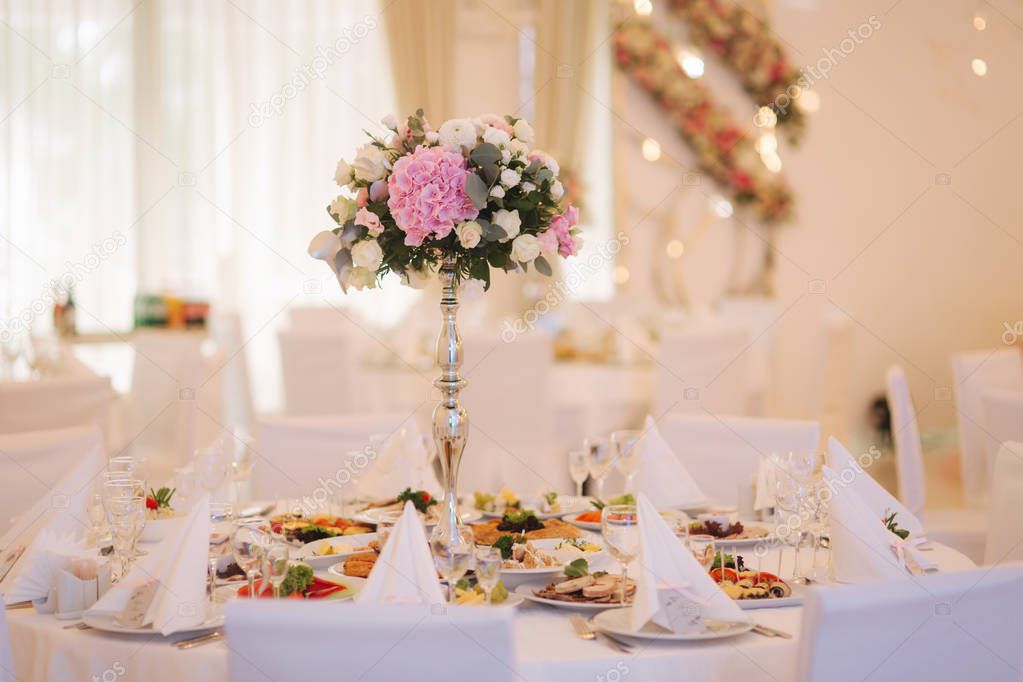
488,569
619,524
249,541
276,566
452,553
578,468
626,454
221,515
791,494
211,467
242,460
601,459
127,517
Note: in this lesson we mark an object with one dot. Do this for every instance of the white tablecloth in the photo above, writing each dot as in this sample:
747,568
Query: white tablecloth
547,648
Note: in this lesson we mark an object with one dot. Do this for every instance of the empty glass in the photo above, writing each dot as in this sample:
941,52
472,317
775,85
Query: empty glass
578,468
126,516
488,569
211,467
791,495
249,542
221,516
626,454
276,566
619,524
601,459
243,458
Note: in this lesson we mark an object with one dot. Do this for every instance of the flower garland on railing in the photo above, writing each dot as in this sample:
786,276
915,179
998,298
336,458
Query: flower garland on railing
722,148
745,43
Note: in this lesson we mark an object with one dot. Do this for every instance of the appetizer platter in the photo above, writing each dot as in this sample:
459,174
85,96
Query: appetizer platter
544,506
322,554
424,503
298,529
356,565
300,583
719,527
525,557
590,518
468,593
160,515
579,588
523,523
752,589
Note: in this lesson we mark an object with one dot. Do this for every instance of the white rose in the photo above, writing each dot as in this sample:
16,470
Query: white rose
510,178
343,174
458,133
518,148
509,221
547,160
523,131
528,187
497,191
557,190
469,234
525,248
362,278
367,254
432,136
495,136
344,208
505,156
416,279
390,122
471,289
370,163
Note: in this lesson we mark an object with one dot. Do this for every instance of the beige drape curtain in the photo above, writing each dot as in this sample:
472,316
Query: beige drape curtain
422,50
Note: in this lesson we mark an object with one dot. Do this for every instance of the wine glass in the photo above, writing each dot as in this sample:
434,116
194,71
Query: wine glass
248,542
221,514
97,517
790,497
210,468
578,468
452,553
243,458
619,524
277,566
488,569
626,454
126,515
601,458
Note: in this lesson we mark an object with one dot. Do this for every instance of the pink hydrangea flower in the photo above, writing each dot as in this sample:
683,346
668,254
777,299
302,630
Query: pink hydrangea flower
427,194
561,227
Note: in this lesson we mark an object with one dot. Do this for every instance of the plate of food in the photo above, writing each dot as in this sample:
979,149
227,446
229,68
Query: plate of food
617,622
468,593
161,517
355,565
719,528
533,557
522,523
299,529
324,553
590,518
108,621
579,589
544,506
753,589
301,582
425,504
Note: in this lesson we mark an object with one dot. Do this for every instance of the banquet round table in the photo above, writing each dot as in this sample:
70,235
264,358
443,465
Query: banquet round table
547,649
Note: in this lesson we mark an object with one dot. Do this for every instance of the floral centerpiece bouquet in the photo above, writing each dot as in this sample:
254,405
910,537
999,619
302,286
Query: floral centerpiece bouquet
474,191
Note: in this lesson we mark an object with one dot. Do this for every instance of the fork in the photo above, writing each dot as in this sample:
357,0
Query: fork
583,629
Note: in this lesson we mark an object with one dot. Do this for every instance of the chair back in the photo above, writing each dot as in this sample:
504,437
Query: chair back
318,370
284,640
1003,421
701,370
1005,513
79,399
226,329
974,373
723,453
951,626
909,457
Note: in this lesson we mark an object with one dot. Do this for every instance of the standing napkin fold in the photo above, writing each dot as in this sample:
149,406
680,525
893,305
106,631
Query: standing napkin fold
177,568
661,475
673,590
403,463
63,512
404,572
880,501
862,548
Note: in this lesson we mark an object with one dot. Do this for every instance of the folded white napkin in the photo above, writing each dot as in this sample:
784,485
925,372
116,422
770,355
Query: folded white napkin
661,475
673,590
862,548
63,514
36,573
767,469
401,464
880,501
404,572
6,657
167,587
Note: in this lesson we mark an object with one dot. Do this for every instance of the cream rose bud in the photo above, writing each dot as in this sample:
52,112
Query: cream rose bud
557,190
510,178
432,136
367,254
518,147
508,221
469,234
505,156
362,278
524,131
390,122
495,136
458,133
344,208
497,191
528,187
525,248
370,163
343,174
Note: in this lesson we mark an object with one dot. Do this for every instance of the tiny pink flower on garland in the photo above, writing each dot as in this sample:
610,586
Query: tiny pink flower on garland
427,194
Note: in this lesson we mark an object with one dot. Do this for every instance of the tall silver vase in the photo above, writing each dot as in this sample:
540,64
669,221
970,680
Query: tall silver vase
450,421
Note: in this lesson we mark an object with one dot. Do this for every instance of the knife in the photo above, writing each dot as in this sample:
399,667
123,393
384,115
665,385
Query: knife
10,559
200,640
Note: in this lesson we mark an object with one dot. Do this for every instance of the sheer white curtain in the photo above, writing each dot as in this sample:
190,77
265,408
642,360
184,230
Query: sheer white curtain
199,137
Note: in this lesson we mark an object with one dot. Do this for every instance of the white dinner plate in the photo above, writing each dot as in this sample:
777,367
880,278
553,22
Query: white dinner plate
372,516
616,622
107,621
795,599
725,544
344,546
587,525
570,504
527,592
512,601
226,593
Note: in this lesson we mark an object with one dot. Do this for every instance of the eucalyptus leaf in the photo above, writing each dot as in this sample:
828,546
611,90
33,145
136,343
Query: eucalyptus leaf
490,172
477,190
542,266
544,174
485,154
350,234
492,232
533,167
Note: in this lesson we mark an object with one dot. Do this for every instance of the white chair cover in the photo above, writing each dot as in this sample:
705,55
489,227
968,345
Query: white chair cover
299,456
78,399
6,658
286,641
32,463
226,330
974,373
511,417
909,457
834,378
1003,421
954,626
317,319
1005,515
723,453
318,370
703,369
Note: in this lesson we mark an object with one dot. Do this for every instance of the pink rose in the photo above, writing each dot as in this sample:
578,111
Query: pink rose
548,242
368,219
427,194
378,190
561,226
362,197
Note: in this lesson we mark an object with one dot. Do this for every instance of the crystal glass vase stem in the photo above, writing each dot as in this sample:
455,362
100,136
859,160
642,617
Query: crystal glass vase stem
450,422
